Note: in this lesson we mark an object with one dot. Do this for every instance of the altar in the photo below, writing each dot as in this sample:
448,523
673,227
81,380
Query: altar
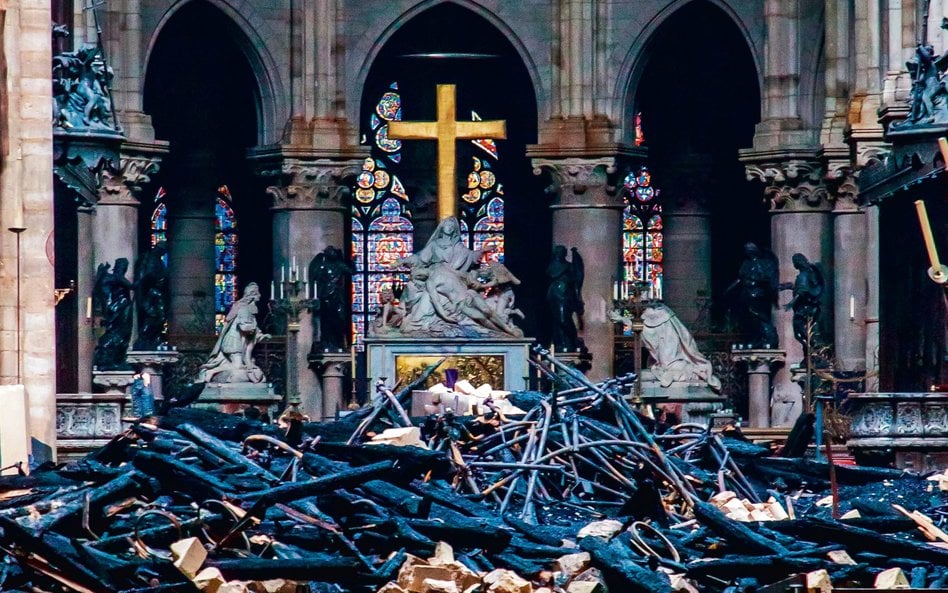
500,361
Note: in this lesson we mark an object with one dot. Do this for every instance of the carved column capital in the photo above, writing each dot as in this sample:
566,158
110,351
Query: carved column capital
121,182
842,182
582,181
320,184
794,184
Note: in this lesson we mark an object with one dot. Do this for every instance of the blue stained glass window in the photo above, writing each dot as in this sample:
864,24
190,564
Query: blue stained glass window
482,208
225,244
159,222
642,237
381,226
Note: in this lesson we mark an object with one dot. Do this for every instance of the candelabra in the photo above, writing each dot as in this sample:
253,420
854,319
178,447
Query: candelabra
630,299
296,295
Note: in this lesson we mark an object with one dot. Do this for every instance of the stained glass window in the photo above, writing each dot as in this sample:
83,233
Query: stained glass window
642,231
225,243
382,231
482,206
159,221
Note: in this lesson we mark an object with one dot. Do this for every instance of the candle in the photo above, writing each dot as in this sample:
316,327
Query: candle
927,236
552,350
615,290
352,354
852,307
89,308
282,274
294,266
305,275
281,291
273,292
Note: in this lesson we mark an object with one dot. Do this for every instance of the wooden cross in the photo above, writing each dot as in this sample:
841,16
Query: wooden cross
447,130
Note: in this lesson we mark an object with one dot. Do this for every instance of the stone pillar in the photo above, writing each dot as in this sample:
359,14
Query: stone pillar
332,369
760,366
850,285
687,238
84,281
310,213
872,299
191,254
587,214
800,223
115,222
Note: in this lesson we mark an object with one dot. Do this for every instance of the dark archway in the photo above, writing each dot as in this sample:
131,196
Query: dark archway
699,97
450,44
204,99
699,108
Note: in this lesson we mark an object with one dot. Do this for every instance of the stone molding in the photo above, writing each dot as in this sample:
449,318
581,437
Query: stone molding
842,182
793,184
120,185
580,181
320,184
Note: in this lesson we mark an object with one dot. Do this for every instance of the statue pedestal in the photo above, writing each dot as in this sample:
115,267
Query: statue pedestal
502,362
113,382
331,369
760,364
698,402
233,398
153,363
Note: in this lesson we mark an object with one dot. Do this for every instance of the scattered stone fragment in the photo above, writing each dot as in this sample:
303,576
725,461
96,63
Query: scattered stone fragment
506,581
605,529
189,555
892,578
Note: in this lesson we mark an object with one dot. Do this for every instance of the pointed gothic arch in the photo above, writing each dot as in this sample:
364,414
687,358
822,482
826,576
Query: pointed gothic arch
630,72
375,49
238,23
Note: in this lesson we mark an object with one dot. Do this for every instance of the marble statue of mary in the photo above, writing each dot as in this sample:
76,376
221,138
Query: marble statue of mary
446,296
674,350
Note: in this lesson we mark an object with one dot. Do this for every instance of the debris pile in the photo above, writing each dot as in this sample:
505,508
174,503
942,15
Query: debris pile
581,494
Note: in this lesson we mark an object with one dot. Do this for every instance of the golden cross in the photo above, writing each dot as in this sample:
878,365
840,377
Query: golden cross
447,130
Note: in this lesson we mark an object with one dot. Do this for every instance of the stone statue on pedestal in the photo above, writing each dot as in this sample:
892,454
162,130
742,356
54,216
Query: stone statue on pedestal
331,274
151,299
113,300
757,280
449,295
231,360
807,290
564,298
673,348
929,100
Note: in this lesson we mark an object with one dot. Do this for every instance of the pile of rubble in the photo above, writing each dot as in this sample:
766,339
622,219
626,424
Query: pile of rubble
581,494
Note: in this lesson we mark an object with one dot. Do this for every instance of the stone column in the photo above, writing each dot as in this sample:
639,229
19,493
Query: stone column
85,277
687,237
115,222
800,223
310,213
850,285
191,253
587,214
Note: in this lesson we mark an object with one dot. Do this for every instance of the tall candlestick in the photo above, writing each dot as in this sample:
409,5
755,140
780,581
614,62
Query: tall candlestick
352,354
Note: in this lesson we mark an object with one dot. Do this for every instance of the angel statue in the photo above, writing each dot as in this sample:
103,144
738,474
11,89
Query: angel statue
807,290
231,359
331,273
112,298
151,298
757,280
564,298
929,99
